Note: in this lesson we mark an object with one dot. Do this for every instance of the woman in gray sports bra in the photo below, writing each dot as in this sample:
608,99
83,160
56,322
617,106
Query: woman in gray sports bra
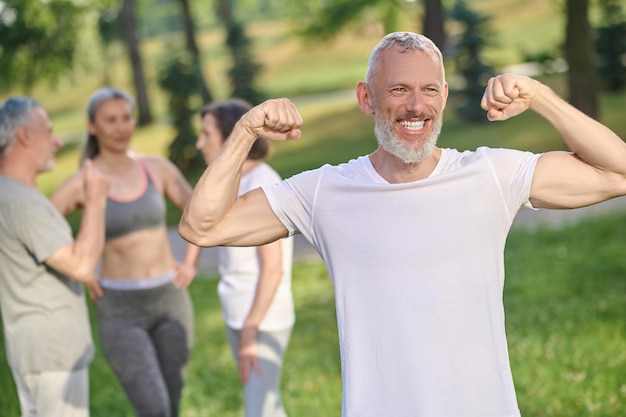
145,316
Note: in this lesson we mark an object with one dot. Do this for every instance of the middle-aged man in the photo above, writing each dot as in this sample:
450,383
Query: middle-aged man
42,268
413,235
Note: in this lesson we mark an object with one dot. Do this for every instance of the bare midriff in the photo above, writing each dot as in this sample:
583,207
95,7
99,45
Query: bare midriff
138,255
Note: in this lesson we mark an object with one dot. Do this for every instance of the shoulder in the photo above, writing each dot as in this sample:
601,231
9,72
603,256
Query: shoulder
71,186
497,155
158,166
22,195
155,161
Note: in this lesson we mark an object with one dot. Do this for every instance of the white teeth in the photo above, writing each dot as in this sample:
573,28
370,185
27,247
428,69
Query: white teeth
413,125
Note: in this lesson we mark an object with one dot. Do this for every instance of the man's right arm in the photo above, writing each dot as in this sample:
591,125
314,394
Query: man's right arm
78,259
214,215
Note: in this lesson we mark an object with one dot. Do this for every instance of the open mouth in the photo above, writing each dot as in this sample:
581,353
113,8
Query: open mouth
413,126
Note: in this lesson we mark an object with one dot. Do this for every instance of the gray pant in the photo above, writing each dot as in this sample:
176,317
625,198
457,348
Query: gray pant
262,392
146,336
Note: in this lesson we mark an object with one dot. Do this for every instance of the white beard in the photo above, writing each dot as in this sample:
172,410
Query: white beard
388,140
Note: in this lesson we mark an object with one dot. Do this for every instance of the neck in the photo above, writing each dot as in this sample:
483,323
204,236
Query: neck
18,170
394,170
114,162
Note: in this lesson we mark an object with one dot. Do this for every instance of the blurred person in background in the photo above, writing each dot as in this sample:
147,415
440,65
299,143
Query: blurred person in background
145,315
43,268
259,327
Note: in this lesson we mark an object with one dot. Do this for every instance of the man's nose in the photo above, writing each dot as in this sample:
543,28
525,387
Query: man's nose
415,102
58,143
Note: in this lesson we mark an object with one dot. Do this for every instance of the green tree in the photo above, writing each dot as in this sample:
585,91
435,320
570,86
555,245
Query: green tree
333,16
469,59
330,18
245,68
38,40
581,77
433,23
129,34
192,46
610,46
110,31
179,77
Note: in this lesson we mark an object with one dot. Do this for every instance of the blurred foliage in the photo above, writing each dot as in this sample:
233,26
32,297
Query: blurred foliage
245,70
327,21
469,59
610,46
179,77
39,40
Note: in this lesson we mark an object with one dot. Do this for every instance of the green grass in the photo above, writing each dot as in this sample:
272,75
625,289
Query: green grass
566,317
565,297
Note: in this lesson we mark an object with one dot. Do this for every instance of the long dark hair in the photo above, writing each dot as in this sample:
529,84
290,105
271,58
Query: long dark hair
227,113
91,148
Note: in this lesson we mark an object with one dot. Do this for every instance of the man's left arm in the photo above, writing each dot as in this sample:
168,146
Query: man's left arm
594,170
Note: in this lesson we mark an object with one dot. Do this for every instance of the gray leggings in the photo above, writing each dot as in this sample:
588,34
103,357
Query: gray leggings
146,336
262,392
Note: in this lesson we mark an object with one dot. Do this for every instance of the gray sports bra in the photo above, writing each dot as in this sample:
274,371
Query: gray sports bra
144,212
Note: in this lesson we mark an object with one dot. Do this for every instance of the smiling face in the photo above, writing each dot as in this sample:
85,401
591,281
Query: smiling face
407,95
210,140
113,124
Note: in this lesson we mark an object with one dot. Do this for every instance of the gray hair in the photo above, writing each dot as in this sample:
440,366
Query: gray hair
91,148
14,113
408,41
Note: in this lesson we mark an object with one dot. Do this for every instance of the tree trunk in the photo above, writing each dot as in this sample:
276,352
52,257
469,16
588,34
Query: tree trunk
434,23
132,43
582,82
192,47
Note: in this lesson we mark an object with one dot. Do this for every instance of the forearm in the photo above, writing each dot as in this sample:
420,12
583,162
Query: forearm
192,255
89,241
271,273
592,142
264,295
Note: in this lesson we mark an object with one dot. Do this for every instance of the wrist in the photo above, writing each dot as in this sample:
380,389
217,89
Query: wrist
244,132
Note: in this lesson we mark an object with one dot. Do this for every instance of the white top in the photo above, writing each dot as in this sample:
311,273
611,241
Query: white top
239,271
418,271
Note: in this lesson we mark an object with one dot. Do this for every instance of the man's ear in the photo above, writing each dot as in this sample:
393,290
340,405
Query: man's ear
21,135
364,98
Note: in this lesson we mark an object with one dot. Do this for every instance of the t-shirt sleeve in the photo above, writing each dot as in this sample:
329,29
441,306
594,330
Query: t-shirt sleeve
42,229
514,171
293,201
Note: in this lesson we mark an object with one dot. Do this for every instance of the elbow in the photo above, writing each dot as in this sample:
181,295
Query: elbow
186,231
84,273
194,234
192,230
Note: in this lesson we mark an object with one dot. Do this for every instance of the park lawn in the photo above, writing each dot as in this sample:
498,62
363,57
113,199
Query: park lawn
565,298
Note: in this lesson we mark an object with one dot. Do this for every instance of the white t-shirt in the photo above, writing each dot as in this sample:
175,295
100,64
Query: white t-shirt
239,271
418,271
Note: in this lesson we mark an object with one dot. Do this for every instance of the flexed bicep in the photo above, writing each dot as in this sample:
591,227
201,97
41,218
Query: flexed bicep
250,221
